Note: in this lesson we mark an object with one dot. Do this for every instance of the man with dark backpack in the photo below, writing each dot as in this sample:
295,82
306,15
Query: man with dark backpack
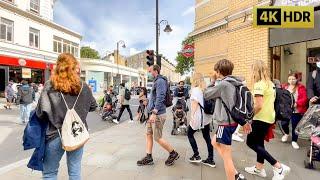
125,97
25,97
159,100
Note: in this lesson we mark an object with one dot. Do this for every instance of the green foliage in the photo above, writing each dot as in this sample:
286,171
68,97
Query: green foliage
87,52
184,64
188,80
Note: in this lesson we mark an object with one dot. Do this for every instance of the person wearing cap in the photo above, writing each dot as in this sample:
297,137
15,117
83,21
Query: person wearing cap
9,95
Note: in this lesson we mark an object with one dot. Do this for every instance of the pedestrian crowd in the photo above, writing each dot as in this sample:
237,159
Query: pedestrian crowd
65,101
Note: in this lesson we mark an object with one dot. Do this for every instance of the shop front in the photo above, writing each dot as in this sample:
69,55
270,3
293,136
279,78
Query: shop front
292,48
18,69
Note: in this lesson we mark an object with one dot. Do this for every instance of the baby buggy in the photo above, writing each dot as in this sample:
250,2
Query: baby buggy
180,122
109,109
309,128
143,115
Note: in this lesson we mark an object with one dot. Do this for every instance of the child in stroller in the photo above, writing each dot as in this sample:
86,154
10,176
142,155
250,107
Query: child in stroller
142,115
309,128
109,107
180,122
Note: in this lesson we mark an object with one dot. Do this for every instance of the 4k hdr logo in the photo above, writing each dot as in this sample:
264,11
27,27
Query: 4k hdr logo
284,16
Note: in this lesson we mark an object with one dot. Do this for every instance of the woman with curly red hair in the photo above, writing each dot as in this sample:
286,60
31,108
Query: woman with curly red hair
65,84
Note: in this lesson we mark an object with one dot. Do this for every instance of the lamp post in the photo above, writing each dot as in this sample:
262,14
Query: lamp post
167,29
121,42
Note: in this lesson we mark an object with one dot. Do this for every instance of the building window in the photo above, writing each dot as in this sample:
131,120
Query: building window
6,30
64,46
34,5
34,35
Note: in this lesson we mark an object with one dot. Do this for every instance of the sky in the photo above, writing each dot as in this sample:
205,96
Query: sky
102,23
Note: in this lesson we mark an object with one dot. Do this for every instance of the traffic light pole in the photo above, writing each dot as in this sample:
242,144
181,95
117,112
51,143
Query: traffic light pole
157,29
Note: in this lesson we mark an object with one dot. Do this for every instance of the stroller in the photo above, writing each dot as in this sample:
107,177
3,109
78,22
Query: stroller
309,128
144,115
180,122
109,109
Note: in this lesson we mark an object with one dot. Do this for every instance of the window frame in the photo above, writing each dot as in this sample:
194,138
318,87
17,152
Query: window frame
3,22
66,46
34,32
32,9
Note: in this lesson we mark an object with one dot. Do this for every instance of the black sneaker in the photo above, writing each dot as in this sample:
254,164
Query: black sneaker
172,158
5,107
209,162
240,176
195,159
145,161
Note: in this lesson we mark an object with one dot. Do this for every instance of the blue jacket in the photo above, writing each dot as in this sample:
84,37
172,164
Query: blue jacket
34,137
158,95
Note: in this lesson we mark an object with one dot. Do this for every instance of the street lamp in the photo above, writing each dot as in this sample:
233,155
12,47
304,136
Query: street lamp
121,42
167,29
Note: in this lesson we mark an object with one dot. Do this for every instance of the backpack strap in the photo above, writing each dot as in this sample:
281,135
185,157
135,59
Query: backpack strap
227,110
65,102
201,110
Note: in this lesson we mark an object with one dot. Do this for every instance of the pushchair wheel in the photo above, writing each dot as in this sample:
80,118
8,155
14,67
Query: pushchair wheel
308,165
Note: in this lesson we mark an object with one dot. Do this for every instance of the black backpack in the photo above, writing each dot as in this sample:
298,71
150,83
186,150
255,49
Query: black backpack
127,94
243,109
168,99
208,106
283,104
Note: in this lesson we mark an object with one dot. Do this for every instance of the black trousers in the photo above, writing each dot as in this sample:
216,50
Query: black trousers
121,112
295,119
207,138
255,141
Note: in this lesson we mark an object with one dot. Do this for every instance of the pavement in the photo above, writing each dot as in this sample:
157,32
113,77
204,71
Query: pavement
112,153
11,131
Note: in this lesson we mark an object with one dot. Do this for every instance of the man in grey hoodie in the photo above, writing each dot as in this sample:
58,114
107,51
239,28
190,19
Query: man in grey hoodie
224,92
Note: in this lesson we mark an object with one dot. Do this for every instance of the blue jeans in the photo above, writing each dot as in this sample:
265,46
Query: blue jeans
53,155
25,110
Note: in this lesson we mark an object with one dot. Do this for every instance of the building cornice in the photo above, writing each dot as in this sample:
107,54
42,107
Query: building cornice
12,8
226,20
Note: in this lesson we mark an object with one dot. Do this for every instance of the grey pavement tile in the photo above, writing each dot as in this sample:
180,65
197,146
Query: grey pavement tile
100,160
102,173
105,148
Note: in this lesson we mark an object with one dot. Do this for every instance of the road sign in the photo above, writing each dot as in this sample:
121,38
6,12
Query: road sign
188,50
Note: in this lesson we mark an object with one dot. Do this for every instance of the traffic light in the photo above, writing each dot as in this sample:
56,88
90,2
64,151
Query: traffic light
150,57
159,60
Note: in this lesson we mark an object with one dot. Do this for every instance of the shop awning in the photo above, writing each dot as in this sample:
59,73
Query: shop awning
13,61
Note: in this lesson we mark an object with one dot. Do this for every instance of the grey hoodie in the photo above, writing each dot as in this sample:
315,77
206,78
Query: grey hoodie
226,91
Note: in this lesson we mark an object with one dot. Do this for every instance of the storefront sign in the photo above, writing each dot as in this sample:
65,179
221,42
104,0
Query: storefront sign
22,62
26,73
284,16
188,50
93,84
296,2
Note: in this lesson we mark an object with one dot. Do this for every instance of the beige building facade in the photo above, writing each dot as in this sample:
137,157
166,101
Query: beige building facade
224,29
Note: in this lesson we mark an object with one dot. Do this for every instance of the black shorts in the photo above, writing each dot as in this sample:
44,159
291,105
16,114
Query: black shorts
224,134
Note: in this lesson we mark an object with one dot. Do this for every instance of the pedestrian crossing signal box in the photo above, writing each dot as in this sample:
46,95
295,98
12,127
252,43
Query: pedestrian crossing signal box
284,16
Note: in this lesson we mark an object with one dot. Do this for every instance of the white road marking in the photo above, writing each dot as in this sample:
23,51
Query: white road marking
13,166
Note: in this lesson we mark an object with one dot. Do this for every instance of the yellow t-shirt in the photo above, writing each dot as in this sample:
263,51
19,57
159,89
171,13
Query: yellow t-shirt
266,89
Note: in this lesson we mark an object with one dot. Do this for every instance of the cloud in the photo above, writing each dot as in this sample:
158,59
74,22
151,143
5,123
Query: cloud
103,24
191,9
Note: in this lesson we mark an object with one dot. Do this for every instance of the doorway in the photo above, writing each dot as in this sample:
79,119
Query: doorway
3,79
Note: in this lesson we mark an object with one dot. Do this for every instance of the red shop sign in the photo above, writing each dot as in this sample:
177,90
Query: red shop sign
12,61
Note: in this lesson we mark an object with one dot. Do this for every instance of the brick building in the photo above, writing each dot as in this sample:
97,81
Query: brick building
223,29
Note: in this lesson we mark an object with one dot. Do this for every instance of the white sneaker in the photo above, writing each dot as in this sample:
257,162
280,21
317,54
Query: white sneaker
239,134
237,138
295,145
131,121
253,170
115,121
285,138
279,174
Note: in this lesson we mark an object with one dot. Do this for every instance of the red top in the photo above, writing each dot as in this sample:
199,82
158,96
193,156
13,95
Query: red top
302,100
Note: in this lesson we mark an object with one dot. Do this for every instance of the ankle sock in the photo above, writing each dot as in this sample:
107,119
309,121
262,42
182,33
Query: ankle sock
149,155
172,152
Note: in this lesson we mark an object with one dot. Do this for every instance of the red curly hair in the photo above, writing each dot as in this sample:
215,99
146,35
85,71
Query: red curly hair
65,77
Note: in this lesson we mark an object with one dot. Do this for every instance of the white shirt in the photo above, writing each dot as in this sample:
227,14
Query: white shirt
196,118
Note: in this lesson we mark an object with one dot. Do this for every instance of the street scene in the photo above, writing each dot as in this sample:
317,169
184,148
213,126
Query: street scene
160,89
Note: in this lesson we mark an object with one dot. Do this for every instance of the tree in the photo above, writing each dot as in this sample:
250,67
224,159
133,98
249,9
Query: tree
188,80
184,64
88,52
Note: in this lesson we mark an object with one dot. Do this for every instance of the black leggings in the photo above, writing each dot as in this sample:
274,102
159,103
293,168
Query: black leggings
121,111
207,138
295,119
255,141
